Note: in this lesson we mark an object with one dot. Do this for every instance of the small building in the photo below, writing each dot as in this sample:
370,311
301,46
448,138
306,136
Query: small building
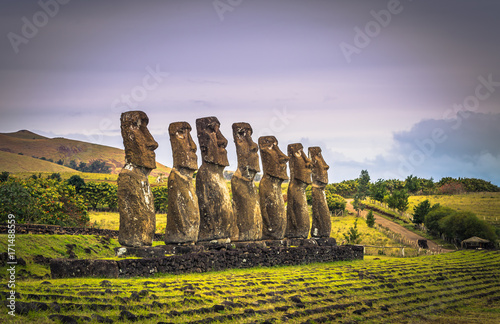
476,243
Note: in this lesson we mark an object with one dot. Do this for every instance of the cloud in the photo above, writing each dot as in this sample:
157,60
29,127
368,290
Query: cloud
463,147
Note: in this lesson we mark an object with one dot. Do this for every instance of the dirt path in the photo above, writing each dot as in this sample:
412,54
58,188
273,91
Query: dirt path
396,228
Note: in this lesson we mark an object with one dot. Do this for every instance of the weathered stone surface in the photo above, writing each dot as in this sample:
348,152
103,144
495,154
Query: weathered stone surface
272,204
135,199
68,268
321,221
183,215
216,210
245,194
219,258
297,214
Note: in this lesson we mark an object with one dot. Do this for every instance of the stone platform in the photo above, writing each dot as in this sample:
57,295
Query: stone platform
210,257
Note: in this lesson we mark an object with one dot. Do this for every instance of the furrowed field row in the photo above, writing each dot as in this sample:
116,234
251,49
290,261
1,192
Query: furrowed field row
248,311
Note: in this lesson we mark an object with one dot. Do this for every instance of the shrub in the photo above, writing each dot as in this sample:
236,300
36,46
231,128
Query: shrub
42,201
160,194
77,182
335,202
370,219
4,176
353,236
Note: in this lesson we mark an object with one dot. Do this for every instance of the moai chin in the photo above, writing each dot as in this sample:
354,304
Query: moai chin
272,204
297,213
245,194
135,199
321,222
183,215
216,210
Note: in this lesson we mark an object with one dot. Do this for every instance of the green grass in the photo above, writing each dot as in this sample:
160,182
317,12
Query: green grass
458,287
111,220
486,205
27,246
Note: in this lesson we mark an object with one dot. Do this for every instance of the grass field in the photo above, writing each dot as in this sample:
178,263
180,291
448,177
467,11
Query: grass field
486,205
111,220
458,287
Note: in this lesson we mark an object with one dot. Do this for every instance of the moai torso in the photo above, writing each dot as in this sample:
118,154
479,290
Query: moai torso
321,221
297,213
272,204
135,199
216,210
183,215
245,194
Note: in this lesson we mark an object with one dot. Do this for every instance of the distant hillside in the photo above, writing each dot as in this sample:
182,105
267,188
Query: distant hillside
13,162
33,145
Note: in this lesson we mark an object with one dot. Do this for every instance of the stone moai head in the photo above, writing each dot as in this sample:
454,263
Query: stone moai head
138,141
246,148
212,142
319,166
183,146
300,165
273,160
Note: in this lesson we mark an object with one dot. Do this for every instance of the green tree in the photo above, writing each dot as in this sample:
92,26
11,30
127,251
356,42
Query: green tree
4,176
353,236
77,182
55,176
432,219
412,184
370,219
420,211
378,190
399,200
363,184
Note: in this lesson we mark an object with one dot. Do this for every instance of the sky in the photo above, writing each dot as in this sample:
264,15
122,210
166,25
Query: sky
392,87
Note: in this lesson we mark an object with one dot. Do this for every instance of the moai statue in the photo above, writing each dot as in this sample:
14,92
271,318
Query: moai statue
297,214
216,210
321,222
183,214
135,199
245,194
272,204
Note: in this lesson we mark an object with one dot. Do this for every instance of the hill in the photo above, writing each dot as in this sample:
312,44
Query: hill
21,163
35,146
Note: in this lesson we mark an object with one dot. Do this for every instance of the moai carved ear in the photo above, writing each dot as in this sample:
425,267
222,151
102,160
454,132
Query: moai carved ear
138,141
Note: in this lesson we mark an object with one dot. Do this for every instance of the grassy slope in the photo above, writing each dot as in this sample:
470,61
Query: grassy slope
13,162
459,287
66,149
54,246
486,205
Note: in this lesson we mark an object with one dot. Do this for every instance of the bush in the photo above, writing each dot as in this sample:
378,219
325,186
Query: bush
77,182
4,176
335,202
42,201
353,236
160,194
55,176
100,193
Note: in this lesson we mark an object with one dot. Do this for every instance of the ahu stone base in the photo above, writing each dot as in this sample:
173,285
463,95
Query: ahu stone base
211,258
